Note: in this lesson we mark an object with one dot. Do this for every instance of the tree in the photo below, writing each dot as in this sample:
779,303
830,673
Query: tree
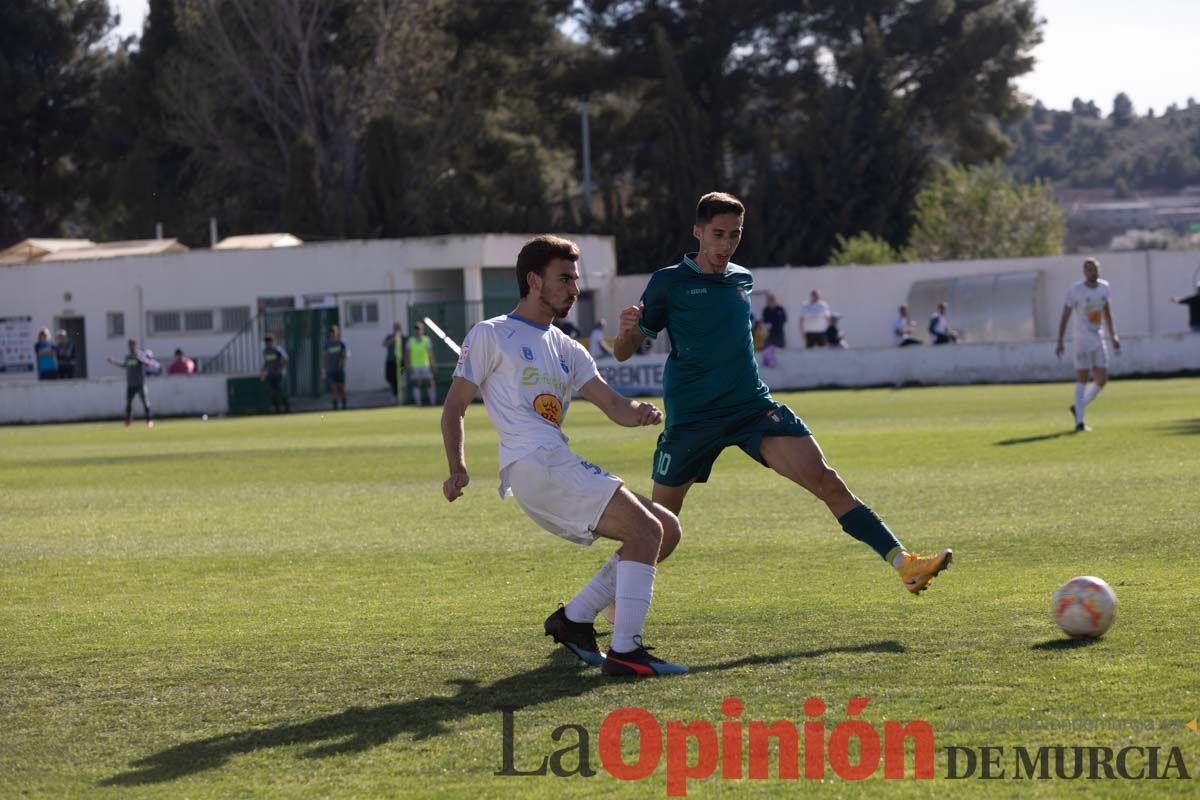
980,212
863,248
1122,111
50,65
301,212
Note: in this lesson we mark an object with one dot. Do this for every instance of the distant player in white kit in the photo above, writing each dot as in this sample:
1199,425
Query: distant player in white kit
527,371
1088,299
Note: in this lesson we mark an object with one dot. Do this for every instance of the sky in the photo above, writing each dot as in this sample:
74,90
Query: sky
1091,49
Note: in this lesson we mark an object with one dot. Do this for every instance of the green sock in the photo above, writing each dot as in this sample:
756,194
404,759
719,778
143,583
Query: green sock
865,525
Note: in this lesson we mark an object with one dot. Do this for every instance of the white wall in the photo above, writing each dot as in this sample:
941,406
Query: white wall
104,398
210,279
867,297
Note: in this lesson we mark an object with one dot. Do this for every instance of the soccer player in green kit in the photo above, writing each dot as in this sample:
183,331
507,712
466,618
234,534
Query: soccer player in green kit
715,398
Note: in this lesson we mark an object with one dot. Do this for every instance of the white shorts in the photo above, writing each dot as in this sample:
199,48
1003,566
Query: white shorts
561,492
420,373
1095,355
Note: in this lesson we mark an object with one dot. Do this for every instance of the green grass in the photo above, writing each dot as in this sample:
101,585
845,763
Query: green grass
286,607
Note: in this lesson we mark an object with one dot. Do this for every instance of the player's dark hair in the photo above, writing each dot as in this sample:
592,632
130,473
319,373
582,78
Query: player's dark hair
1091,262
537,254
715,203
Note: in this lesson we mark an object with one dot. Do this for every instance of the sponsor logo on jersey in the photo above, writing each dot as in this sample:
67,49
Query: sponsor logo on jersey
549,407
462,357
697,291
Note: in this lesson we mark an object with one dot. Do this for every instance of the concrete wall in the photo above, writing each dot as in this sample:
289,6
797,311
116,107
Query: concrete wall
998,362
202,279
104,398
867,297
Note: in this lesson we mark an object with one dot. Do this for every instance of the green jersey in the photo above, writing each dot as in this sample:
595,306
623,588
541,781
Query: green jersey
711,372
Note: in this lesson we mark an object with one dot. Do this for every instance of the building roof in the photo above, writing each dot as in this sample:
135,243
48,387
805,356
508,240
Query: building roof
259,241
38,250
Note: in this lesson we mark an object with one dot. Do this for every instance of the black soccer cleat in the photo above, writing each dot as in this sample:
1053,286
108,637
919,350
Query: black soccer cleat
638,663
578,637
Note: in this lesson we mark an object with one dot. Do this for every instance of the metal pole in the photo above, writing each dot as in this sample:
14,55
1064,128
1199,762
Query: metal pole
212,231
587,163
158,230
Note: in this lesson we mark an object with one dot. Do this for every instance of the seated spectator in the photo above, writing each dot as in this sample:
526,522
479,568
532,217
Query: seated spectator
182,365
939,326
596,344
833,334
902,329
153,367
46,355
566,326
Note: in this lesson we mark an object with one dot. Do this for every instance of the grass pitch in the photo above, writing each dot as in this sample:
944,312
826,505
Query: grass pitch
286,606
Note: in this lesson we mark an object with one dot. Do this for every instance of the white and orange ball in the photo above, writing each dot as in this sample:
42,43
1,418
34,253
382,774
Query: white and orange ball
1085,607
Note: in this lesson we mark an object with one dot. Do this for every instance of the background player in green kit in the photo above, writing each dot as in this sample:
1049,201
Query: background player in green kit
715,399
134,365
333,368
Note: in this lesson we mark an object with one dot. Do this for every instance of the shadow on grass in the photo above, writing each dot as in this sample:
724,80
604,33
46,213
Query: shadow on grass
358,729
1030,439
1182,427
1064,644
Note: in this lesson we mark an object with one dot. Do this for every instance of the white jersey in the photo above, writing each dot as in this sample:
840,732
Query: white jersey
1087,305
527,374
816,316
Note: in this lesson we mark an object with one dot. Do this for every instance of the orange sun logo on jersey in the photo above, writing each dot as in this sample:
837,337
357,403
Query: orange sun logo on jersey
549,407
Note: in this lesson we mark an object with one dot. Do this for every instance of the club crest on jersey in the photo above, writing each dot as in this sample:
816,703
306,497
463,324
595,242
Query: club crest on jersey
566,370
549,407
526,352
462,357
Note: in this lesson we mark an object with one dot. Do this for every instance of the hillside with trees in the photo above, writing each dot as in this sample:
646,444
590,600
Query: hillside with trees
1087,147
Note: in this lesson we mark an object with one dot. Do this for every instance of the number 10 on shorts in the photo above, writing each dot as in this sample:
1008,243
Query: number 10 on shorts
664,463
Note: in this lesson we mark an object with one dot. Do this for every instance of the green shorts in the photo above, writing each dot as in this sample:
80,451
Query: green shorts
135,391
687,452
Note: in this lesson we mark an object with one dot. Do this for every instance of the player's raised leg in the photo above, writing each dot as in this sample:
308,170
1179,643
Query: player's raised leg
799,458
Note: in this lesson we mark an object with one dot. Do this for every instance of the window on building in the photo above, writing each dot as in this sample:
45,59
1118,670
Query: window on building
115,324
198,320
362,312
234,318
165,322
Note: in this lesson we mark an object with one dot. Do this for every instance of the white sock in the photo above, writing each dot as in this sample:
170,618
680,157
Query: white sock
635,587
416,395
1092,391
433,395
596,594
1079,402
899,559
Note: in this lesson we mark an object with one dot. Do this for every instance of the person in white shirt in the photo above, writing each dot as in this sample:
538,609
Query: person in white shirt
1088,300
814,320
527,371
902,329
596,344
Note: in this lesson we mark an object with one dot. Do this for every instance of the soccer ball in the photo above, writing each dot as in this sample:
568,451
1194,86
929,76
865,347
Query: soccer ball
1085,607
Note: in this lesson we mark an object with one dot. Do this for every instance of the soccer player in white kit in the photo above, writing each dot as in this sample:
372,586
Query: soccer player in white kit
527,370
1089,301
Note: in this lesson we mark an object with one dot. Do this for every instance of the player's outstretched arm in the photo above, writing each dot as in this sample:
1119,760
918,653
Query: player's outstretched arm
461,393
620,409
629,335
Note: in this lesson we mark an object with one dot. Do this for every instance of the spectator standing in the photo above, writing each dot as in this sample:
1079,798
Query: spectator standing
1193,304
46,355
774,316
833,334
939,326
65,350
153,368
182,365
815,320
421,365
902,329
275,361
393,346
